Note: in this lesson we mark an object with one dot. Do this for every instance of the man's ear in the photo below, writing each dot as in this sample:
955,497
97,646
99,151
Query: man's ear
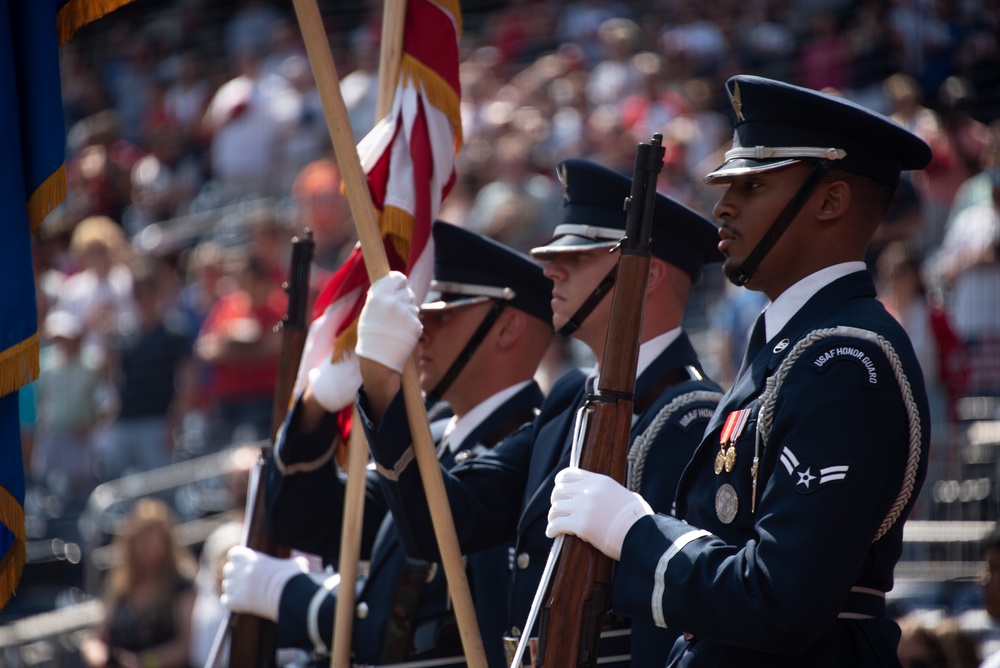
836,200
657,272
512,326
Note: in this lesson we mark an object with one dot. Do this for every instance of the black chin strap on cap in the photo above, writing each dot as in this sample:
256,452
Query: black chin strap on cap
780,224
468,351
575,320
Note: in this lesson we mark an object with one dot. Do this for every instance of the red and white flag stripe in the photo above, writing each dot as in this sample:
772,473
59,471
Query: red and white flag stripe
409,159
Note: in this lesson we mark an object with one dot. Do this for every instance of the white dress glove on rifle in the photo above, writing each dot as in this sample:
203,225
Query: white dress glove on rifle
334,384
252,582
595,508
389,326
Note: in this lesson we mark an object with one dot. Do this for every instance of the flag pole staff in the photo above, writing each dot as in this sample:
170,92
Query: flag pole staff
390,54
391,51
377,264
350,545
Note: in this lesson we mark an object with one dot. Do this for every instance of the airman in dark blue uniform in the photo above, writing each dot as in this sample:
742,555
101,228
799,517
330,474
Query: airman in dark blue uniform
504,495
789,518
488,309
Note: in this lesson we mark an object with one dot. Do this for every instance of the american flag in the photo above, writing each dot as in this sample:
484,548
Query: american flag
409,159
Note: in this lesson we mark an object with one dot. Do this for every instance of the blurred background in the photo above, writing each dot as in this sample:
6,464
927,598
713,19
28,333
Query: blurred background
197,148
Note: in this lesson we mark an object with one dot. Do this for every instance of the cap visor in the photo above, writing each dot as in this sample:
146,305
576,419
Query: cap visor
436,304
744,166
570,243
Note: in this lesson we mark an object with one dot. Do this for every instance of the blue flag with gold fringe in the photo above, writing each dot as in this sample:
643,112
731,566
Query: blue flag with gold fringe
32,184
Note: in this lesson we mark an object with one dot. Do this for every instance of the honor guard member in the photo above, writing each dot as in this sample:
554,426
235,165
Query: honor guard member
504,495
789,517
485,328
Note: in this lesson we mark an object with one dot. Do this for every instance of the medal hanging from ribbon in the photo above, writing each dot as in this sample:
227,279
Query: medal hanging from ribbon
731,430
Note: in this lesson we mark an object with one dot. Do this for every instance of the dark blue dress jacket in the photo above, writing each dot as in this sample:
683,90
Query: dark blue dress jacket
504,495
795,576
305,511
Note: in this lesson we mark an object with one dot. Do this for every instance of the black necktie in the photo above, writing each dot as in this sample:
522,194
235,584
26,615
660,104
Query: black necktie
758,337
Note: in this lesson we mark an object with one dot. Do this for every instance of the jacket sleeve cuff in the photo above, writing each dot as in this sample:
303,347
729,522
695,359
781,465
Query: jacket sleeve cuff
298,451
390,443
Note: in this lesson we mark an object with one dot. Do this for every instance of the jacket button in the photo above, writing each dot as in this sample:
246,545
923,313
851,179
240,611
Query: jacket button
523,560
362,610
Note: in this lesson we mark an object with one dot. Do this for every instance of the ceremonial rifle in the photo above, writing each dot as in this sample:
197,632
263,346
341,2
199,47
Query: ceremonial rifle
579,595
253,640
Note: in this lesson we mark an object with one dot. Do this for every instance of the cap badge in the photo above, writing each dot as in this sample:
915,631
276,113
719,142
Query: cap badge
564,181
737,102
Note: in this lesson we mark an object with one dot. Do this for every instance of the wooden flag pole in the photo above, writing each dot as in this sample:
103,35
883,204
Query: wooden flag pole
393,22
350,545
390,53
377,264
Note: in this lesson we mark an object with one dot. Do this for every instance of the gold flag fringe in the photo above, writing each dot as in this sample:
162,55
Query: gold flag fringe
346,341
12,563
397,226
46,198
19,365
440,94
78,13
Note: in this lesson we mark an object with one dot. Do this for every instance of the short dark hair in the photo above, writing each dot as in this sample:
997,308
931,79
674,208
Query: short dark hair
874,195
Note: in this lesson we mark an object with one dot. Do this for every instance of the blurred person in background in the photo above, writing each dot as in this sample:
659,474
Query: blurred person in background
203,274
657,103
616,75
250,25
693,38
69,408
958,142
579,22
943,359
824,56
270,243
324,209
131,74
164,181
99,166
967,267
244,121
238,344
98,291
148,596
360,86
516,184
155,380
919,646
978,189
306,138
187,98
960,645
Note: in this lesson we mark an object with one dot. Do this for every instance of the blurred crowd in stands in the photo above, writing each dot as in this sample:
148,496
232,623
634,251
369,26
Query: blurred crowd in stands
197,147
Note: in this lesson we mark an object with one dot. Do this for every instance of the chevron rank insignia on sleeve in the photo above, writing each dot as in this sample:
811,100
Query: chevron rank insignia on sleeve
806,477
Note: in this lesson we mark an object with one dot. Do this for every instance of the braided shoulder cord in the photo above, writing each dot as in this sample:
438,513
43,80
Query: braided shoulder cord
640,446
770,394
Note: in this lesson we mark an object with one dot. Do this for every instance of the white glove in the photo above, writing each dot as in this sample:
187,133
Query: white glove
389,326
595,508
334,384
252,582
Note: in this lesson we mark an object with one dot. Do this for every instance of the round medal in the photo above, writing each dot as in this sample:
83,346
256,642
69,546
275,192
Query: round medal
726,503
730,458
720,461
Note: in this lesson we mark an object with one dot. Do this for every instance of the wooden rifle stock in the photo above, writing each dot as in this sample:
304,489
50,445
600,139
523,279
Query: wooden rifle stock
580,591
253,640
